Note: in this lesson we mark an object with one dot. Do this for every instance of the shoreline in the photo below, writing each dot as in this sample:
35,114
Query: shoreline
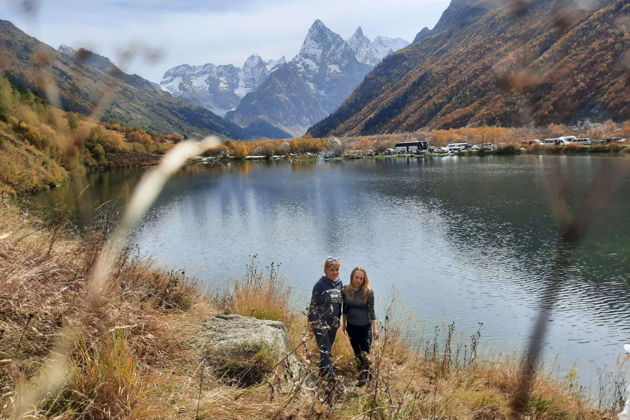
615,150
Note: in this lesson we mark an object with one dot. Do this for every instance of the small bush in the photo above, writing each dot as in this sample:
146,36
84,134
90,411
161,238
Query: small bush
508,150
73,121
245,367
103,379
260,295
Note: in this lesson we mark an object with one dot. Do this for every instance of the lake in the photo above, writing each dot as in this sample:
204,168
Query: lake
464,239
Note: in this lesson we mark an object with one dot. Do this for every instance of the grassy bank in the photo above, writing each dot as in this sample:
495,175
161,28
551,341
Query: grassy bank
136,355
139,355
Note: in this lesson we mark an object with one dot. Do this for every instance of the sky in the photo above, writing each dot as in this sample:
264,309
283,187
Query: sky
161,34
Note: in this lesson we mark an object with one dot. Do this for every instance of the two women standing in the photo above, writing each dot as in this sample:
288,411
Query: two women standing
355,302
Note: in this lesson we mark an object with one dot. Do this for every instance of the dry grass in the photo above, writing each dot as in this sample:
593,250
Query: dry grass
141,357
146,331
432,379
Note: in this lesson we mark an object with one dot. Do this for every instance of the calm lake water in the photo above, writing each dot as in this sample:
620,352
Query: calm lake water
470,240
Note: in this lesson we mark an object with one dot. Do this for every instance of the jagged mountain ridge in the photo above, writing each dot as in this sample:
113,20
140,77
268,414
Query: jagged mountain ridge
90,58
218,88
134,102
518,63
314,83
373,52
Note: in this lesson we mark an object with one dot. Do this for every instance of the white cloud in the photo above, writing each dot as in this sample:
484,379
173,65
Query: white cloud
218,31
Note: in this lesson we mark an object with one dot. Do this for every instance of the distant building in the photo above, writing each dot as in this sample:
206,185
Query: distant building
412,147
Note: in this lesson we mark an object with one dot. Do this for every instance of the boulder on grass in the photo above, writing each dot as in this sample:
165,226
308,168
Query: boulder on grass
243,351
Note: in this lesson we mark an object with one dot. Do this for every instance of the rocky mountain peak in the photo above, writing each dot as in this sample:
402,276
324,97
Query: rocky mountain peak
424,32
90,58
321,42
274,64
358,33
253,60
372,52
67,50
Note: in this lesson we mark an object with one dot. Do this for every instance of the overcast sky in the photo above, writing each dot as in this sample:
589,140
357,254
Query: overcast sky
216,31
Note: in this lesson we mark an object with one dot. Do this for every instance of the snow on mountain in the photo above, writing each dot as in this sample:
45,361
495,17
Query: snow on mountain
218,88
307,88
292,95
373,52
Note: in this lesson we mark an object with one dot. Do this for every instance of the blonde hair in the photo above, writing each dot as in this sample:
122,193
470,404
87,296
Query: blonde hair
330,261
365,286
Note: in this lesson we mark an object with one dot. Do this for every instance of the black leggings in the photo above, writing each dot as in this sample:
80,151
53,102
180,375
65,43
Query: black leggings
360,338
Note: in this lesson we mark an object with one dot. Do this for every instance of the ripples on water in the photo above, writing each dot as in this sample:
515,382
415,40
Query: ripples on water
467,240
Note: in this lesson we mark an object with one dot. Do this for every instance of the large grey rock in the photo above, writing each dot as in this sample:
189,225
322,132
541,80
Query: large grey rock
228,332
243,350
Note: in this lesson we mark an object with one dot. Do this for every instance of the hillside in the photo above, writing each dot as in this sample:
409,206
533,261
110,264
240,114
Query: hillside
522,63
82,86
41,145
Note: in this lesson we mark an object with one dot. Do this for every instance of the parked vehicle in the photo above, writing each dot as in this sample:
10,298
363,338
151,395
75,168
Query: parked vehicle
488,146
412,147
458,147
555,141
582,140
568,139
530,142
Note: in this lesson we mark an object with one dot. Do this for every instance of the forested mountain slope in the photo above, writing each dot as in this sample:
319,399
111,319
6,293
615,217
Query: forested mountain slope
499,63
81,88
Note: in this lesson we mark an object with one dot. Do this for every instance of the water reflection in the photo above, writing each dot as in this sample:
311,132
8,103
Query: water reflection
469,240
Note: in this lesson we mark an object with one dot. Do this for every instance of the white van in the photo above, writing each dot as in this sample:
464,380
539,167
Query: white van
582,140
556,141
455,147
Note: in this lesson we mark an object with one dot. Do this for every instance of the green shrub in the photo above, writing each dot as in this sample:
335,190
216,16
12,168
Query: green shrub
73,121
7,98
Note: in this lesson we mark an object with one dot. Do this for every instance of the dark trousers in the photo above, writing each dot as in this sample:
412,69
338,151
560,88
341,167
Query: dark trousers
361,341
360,338
325,337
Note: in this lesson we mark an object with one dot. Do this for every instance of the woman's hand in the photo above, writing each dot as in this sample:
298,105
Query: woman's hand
375,333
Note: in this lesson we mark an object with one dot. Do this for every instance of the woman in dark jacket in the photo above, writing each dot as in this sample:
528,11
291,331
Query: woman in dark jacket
359,320
324,314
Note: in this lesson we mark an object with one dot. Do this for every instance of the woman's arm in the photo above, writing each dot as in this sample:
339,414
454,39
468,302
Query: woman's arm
314,307
372,315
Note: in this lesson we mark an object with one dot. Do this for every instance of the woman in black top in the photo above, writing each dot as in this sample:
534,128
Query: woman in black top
359,320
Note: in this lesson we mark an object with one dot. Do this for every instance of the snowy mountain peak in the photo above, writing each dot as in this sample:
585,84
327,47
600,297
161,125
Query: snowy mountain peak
272,65
322,47
360,45
253,60
218,88
373,52
319,40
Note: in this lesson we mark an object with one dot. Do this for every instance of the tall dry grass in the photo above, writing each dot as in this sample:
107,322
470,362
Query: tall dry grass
437,376
37,269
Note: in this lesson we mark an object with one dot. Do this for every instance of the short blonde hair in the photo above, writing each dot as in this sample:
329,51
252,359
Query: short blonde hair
330,261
